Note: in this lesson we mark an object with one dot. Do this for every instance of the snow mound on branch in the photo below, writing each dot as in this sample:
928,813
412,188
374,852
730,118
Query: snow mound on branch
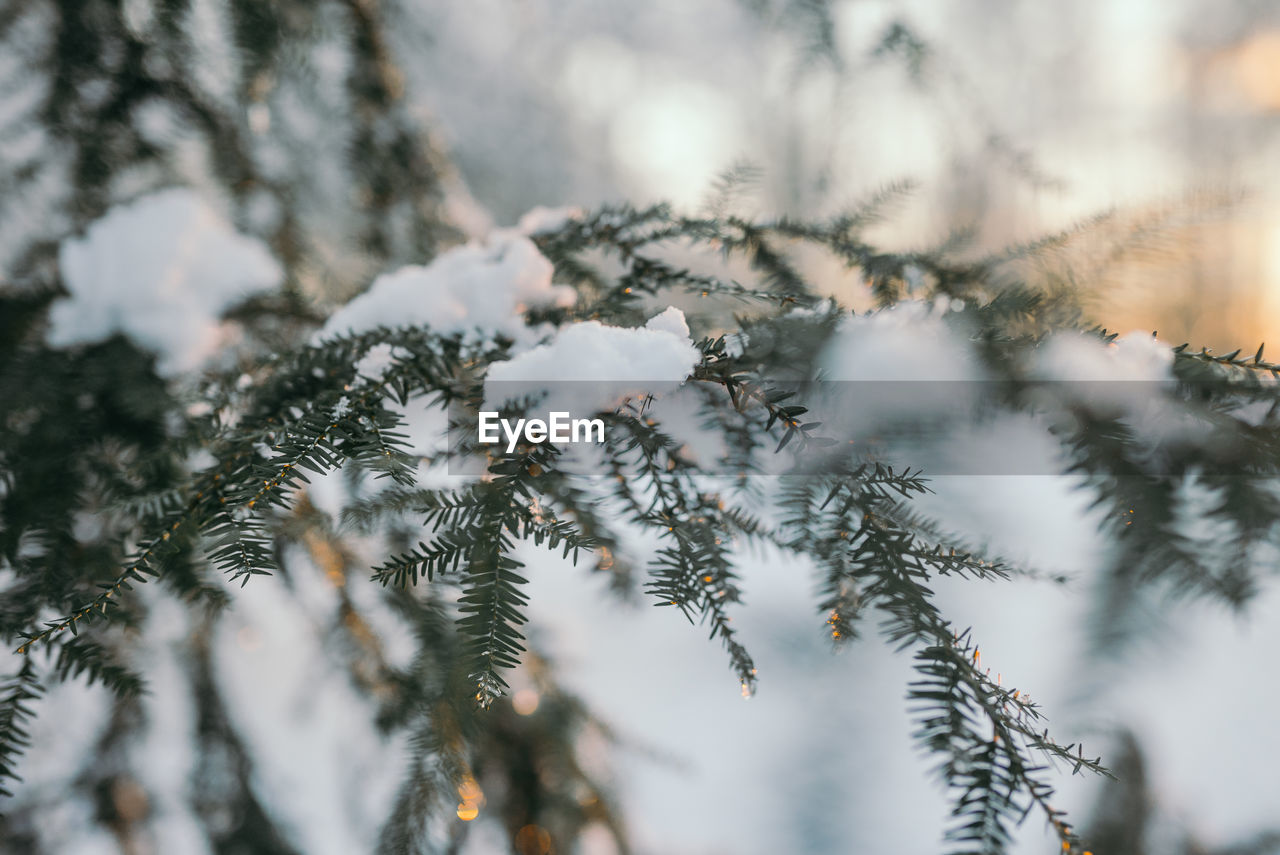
590,366
670,320
476,287
1077,357
908,364
541,220
161,270
907,341
1127,376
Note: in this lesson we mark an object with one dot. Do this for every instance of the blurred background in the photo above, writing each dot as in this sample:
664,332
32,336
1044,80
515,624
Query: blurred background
353,137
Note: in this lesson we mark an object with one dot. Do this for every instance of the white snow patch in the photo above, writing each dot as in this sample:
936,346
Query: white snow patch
590,366
476,287
379,358
908,362
542,220
161,270
165,756
735,344
322,769
907,341
1128,377
670,320
1135,356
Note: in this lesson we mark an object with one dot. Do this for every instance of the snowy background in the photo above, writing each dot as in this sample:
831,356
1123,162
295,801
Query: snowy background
574,103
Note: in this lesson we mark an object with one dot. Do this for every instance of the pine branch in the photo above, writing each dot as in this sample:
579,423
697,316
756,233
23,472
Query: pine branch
446,552
82,656
15,717
228,499
491,605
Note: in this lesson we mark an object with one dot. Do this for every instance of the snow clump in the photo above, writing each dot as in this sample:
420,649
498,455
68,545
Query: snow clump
590,366
161,270
483,288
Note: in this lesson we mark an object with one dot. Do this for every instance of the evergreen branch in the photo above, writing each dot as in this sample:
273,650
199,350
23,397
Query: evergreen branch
443,555
491,606
238,482
140,566
241,548
871,563
1255,363
384,448
695,573
458,508
82,656
15,717
492,601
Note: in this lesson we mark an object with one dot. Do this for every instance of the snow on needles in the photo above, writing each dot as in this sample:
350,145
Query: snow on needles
542,220
911,361
161,270
476,287
1080,357
620,360
1124,376
909,341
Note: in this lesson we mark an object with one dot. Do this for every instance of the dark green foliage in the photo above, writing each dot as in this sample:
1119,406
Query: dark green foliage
93,660
121,92
15,714
986,736
81,434
110,478
311,410
460,750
